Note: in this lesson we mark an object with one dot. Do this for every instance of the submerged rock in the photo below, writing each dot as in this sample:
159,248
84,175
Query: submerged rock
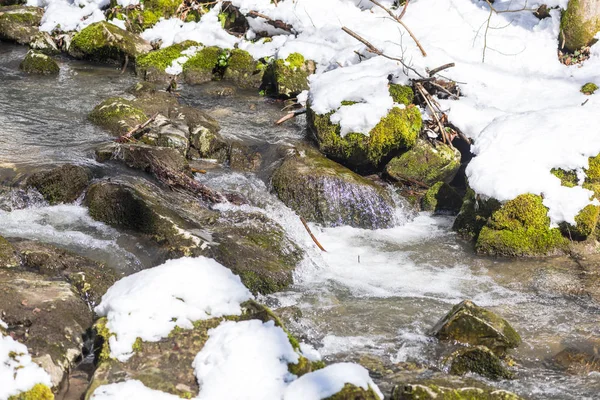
442,198
425,163
103,41
480,360
243,70
62,184
435,392
39,63
398,130
580,359
143,157
474,214
19,23
289,77
470,324
323,191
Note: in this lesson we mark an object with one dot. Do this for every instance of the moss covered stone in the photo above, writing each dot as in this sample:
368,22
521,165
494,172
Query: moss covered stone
586,222
480,360
352,392
473,325
442,198
567,178
8,255
243,70
103,41
521,227
39,63
399,129
579,24
37,392
425,163
589,88
401,94
474,214
117,115
44,43
19,23
200,67
323,191
289,77
435,392
63,184
151,66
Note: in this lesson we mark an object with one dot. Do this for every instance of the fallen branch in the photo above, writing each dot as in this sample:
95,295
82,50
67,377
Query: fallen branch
413,181
275,23
311,235
290,115
125,64
428,101
127,137
440,68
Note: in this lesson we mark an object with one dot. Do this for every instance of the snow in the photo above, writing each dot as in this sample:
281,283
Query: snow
150,303
328,381
18,373
176,66
245,361
65,15
130,390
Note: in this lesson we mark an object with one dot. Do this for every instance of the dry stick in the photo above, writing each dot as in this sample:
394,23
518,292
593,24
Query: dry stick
440,68
424,94
125,64
443,89
290,115
127,137
404,9
398,19
276,23
311,234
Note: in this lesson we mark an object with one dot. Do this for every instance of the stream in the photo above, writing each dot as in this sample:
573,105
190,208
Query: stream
372,293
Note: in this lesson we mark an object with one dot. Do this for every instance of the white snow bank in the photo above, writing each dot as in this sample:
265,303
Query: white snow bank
245,361
69,15
328,381
18,373
150,303
130,390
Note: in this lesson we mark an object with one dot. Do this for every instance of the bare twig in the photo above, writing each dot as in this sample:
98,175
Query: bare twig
440,68
311,235
125,64
290,115
127,137
275,23
429,102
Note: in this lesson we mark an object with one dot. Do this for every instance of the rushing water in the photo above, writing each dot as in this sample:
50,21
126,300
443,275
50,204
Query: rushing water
372,292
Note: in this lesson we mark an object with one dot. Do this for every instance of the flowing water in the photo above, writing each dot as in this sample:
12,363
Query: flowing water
372,292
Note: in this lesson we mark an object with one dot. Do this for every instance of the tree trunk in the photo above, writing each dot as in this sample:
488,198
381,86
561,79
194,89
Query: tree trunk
580,23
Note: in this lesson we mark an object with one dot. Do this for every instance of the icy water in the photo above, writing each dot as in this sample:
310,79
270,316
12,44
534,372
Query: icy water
372,292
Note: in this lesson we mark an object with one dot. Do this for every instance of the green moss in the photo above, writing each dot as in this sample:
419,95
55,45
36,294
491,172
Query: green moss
589,88
577,29
260,283
38,392
432,391
200,67
567,178
399,129
117,115
21,18
290,76
441,197
593,170
473,215
155,9
104,41
585,223
401,94
103,334
480,360
295,60
39,63
520,228
163,58
351,392
243,70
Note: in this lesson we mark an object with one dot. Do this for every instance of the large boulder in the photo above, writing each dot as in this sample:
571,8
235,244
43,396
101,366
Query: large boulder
288,77
39,63
579,24
323,191
62,184
103,41
398,130
19,23
425,163
470,324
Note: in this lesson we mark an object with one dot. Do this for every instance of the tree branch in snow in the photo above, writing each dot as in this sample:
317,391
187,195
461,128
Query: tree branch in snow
275,23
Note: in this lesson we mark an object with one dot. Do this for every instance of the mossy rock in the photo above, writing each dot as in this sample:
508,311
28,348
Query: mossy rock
19,23
589,88
435,392
63,184
39,63
209,144
567,178
117,115
154,10
579,358
479,360
470,324
441,198
243,158
586,222
397,130
8,255
37,392
105,42
243,70
425,163
402,94
143,157
200,68
151,66
289,77
353,392
325,192
521,227
579,24
474,214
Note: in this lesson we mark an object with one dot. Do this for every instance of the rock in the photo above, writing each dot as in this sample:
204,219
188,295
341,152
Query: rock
474,214
579,24
166,132
398,130
142,157
47,317
166,365
323,191
442,198
117,115
39,63
579,359
43,43
62,184
8,255
19,23
289,77
242,158
352,392
470,324
432,391
480,360
88,278
151,66
103,41
521,227
199,68
425,163
243,70
209,144
589,88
